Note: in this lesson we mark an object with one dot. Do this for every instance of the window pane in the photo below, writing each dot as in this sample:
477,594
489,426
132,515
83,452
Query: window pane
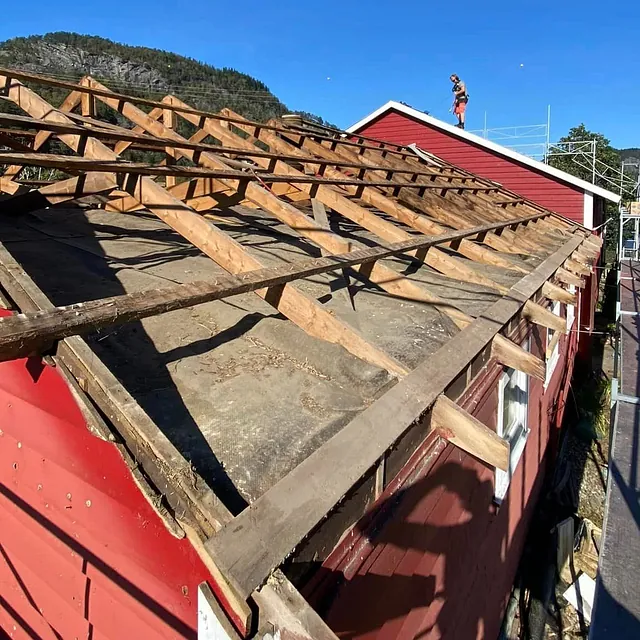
515,400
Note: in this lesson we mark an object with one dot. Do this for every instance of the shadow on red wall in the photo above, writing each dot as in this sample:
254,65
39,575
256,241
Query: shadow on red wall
439,556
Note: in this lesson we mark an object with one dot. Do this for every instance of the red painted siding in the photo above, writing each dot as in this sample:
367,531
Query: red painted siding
436,558
546,191
82,553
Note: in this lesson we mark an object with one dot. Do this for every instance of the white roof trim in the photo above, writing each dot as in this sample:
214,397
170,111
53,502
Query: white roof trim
487,144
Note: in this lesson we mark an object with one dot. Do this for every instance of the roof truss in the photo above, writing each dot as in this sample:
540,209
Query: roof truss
417,209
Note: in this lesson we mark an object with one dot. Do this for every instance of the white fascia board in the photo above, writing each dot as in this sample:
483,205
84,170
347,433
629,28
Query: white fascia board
487,144
587,218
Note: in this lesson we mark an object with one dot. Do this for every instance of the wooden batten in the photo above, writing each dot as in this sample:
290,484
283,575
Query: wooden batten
577,267
469,434
539,315
509,354
568,277
554,292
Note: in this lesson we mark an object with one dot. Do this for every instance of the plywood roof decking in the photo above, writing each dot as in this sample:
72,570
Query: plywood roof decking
252,388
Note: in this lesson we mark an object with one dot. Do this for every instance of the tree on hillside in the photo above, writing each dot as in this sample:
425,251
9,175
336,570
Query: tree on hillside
581,165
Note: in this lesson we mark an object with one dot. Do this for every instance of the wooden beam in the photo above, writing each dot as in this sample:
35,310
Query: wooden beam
73,163
391,281
25,334
552,344
375,197
385,277
440,208
469,434
64,191
127,137
320,216
554,292
577,267
539,315
250,547
297,306
568,277
68,104
509,354
125,142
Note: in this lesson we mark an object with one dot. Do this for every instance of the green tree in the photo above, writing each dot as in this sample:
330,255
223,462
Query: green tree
580,164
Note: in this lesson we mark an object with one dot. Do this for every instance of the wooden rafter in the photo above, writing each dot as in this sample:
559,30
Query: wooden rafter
257,540
26,334
431,214
305,312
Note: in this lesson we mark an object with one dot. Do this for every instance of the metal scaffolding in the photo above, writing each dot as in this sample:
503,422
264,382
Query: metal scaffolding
534,141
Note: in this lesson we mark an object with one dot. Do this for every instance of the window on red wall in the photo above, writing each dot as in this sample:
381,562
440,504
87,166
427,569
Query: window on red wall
513,407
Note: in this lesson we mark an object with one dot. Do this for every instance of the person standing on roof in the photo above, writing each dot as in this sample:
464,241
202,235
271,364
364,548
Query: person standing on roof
460,98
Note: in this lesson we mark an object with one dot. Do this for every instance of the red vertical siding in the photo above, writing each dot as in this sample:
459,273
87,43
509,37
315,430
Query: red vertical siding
543,189
441,558
82,553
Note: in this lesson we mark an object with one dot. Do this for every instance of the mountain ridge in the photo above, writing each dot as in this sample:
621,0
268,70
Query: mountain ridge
143,72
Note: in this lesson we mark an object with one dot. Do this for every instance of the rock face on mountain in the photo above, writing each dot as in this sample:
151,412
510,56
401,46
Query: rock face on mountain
56,58
141,71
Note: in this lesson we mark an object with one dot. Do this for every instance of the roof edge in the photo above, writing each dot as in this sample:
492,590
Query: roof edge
393,105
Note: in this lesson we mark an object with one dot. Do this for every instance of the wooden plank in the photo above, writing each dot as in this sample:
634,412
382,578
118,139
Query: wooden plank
529,241
320,216
376,198
568,277
68,104
389,280
125,141
170,120
441,208
128,137
552,344
28,333
511,355
298,307
554,292
385,277
88,184
538,314
24,334
256,541
469,434
576,267
72,163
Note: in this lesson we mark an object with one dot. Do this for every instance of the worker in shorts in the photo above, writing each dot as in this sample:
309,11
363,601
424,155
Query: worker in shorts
460,98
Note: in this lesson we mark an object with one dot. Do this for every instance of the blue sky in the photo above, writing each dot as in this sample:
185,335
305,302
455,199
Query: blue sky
582,57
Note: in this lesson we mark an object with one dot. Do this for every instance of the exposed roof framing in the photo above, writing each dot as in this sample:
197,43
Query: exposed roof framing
392,211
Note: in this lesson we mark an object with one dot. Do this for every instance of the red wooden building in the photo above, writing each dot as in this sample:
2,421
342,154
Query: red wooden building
558,190
212,426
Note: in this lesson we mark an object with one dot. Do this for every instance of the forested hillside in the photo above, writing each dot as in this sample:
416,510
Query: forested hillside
630,155
140,71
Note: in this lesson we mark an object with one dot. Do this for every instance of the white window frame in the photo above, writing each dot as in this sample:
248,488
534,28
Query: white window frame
571,309
552,360
516,433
